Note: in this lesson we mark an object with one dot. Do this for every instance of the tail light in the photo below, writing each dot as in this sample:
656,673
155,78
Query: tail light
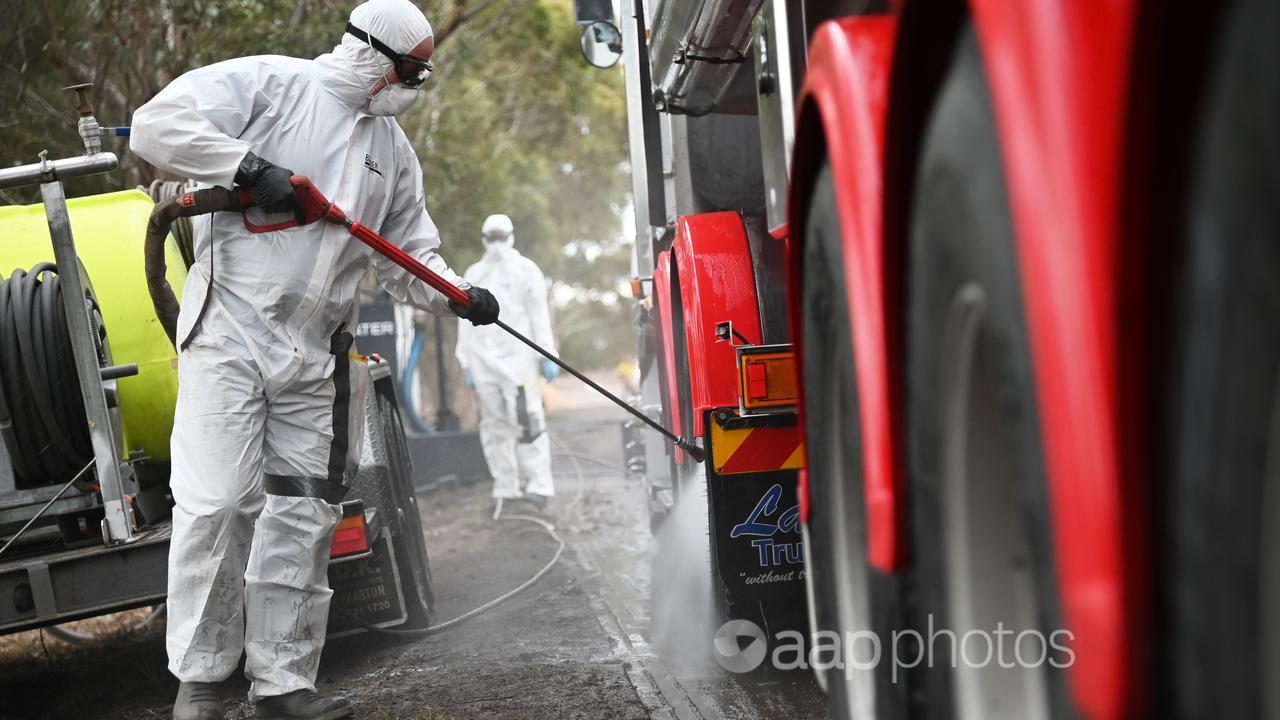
352,535
767,378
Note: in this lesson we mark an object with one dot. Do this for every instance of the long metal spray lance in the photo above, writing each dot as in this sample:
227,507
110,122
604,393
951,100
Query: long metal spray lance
316,206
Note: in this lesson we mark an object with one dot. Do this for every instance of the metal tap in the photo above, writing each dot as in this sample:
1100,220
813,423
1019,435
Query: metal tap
90,130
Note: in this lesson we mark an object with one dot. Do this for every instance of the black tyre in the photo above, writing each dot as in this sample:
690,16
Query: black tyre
1218,579
412,557
982,550
661,494
686,470
847,595
389,492
689,479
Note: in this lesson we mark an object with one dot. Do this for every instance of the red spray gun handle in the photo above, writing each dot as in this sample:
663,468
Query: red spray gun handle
315,206
312,205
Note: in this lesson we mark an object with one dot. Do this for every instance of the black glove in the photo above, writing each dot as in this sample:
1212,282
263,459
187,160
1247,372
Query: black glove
268,184
483,310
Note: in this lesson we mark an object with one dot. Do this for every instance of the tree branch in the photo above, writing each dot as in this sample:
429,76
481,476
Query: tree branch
458,17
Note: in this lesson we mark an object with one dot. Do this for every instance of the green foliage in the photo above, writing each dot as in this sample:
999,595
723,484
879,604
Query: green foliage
513,120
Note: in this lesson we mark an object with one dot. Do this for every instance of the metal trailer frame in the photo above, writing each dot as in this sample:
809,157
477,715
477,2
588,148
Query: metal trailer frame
128,568
75,583
78,583
118,524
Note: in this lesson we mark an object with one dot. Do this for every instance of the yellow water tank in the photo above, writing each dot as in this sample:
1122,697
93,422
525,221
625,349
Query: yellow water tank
109,231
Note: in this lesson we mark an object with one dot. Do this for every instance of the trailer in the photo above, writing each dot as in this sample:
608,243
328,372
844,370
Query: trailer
973,305
88,384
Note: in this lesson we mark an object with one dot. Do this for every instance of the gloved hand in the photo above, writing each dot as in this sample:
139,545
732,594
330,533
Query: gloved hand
483,310
471,381
268,184
550,370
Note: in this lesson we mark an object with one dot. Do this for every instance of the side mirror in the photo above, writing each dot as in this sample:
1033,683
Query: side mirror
602,44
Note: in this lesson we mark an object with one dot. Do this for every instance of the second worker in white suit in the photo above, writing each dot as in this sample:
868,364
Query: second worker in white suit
504,371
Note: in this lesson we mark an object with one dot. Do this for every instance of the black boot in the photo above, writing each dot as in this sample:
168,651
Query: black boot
198,701
302,705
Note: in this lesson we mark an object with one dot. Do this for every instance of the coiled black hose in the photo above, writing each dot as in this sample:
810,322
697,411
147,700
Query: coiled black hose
42,417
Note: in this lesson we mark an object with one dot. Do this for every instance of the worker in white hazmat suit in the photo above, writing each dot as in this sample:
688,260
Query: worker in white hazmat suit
267,396
504,371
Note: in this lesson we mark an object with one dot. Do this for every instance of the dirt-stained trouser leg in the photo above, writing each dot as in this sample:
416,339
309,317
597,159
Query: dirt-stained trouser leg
313,423
216,480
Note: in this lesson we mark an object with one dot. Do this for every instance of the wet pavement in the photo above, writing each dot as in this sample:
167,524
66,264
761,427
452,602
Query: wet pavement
577,644
615,546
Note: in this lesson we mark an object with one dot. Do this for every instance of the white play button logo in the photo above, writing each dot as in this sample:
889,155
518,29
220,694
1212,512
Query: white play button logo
740,646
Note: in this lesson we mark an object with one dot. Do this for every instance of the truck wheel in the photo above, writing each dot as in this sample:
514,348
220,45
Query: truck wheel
982,546
389,491
412,557
1218,547
847,596
686,470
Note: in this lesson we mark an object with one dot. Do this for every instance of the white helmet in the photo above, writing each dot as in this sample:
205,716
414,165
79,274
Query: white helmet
498,229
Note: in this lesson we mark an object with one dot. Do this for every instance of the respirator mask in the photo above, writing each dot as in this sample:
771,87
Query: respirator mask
391,99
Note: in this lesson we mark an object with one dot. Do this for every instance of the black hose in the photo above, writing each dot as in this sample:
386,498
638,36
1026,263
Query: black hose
182,230
198,202
42,416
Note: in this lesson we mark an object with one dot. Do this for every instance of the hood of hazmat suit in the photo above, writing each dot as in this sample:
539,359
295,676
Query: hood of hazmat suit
267,425
396,23
499,237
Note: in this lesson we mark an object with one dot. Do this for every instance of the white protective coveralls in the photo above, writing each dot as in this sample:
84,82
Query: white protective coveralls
505,370
266,417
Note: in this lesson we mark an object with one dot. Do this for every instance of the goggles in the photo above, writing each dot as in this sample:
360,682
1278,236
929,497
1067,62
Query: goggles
412,71
494,237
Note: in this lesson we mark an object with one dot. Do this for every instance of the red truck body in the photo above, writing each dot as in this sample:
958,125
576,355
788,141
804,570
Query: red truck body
1096,109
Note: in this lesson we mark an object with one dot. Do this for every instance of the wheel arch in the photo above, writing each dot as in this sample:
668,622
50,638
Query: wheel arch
711,261
841,120
666,361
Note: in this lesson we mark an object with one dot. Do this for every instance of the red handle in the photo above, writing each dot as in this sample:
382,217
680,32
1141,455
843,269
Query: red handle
456,294
312,202
315,206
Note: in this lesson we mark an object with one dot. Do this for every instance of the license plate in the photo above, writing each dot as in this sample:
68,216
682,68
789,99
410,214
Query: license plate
368,589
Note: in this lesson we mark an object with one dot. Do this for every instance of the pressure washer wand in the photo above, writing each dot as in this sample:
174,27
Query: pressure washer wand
316,206
694,451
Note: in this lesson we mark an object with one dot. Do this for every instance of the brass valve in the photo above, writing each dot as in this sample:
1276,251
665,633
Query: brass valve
88,126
